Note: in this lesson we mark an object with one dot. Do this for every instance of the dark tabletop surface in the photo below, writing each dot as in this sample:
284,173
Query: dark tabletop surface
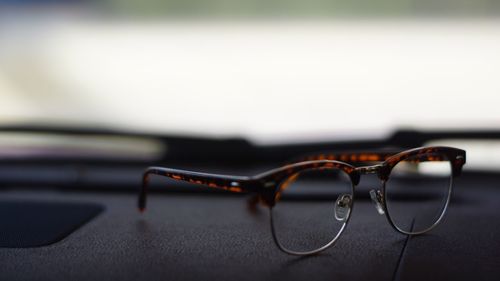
214,237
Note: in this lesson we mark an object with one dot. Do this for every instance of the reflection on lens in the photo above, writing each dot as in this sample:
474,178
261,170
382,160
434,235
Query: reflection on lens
312,209
417,192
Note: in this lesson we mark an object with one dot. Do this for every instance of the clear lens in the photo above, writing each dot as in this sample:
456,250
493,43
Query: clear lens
312,209
417,193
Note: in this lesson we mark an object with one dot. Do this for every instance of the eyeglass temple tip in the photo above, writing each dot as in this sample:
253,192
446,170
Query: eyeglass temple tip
142,194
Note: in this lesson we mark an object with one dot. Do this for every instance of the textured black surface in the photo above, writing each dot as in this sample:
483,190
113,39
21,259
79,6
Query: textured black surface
208,237
467,246
39,223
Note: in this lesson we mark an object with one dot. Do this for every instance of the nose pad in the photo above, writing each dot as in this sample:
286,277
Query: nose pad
343,207
377,198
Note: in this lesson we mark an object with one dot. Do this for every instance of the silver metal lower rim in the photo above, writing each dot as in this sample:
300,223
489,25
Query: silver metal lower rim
320,249
443,212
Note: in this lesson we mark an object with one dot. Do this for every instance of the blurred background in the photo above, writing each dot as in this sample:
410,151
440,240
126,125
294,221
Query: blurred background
280,72
272,72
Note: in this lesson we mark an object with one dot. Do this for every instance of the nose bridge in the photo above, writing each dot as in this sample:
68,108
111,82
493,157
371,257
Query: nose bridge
369,169
375,194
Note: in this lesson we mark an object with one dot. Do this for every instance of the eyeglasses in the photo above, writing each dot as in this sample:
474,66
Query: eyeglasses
414,192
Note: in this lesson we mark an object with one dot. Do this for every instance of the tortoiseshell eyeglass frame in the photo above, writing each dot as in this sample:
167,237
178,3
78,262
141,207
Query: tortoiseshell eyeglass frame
267,186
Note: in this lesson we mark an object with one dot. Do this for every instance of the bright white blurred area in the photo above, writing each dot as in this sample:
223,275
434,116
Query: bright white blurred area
270,81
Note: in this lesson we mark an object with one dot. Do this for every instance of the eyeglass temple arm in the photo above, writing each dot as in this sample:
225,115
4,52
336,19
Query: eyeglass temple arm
224,182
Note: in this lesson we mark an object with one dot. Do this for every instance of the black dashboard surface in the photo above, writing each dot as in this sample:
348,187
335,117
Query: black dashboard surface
35,223
214,237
